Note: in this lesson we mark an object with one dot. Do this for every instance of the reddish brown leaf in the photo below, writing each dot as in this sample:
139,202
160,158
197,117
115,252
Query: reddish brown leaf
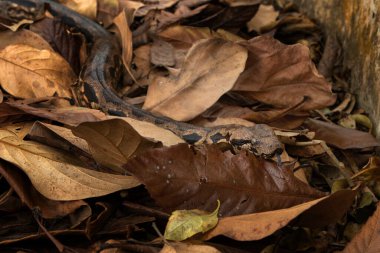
283,76
180,177
368,239
340,137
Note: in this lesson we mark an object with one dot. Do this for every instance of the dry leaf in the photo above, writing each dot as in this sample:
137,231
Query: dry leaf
28,72
180,177
180,247
151,131
234,3
368,239
184,224
185,36
316,213
58,137
107,11
63,41
122,22
23,36
87,8
202,81
112,142
341,137
265,16
273,69
48,209
71,116
58,175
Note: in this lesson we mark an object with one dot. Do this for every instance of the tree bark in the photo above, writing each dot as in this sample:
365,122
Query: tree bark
356,24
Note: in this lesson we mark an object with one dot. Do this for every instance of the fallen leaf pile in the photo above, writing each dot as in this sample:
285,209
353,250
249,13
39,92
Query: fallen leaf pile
75,179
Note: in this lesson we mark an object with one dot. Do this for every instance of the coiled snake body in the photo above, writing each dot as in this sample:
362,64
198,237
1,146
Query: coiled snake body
102,71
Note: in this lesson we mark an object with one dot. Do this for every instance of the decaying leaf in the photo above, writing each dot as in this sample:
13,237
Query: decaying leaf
273,69
184,224
203,80
368,239
340,137
112,142
28,72
315,213
210,174
58,175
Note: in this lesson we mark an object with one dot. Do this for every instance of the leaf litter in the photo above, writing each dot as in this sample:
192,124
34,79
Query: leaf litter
75,172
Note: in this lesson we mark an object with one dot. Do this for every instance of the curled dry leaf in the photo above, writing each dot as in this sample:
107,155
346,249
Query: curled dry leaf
368,239
202,81
58,175
28,72
122,22
341,137
112,142
107,11
316,213
273,69
180,177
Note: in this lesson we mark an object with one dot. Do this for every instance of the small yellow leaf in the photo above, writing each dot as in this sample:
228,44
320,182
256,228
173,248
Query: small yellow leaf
183,224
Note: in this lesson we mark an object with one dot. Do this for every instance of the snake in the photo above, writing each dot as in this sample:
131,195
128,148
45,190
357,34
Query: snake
102,70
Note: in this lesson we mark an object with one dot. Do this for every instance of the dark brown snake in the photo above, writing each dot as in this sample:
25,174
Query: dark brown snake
101,72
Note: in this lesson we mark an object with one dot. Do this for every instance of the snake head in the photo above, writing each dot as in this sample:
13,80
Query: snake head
260,139
16,11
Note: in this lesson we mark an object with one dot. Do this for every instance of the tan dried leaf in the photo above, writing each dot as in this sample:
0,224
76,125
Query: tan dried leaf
87,8
28,72
23,36
210,69
122,22
265,16
58,175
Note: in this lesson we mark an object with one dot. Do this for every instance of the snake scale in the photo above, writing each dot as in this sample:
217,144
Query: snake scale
101,72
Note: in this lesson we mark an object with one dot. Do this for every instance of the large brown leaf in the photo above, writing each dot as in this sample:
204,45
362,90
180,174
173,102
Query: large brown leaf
210,69
180,177
23,37
317,213
112,142
368,239
341,137
58,175
282,76
28,72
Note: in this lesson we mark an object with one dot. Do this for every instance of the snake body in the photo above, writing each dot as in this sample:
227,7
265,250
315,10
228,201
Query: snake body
101,72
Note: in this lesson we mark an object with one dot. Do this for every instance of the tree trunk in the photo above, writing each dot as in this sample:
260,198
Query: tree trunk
356,24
